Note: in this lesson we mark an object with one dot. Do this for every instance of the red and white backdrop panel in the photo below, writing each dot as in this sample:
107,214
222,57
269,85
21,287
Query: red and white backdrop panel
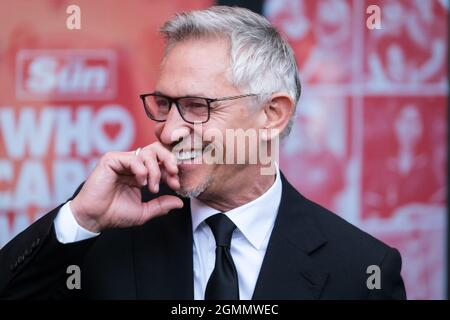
370,135
369,140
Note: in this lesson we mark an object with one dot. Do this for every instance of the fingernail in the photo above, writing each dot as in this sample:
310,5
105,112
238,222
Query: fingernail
156,187
144,183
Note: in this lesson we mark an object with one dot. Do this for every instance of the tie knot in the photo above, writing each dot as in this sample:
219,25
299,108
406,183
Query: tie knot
222,228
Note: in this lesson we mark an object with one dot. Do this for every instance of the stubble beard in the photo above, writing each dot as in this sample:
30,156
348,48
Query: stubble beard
198,190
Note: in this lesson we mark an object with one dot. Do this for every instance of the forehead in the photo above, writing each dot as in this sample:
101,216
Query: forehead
196,67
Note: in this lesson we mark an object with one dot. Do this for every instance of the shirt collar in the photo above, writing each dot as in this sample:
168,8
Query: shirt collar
253,219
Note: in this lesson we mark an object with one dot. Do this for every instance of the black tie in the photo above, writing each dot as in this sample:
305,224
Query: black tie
223,282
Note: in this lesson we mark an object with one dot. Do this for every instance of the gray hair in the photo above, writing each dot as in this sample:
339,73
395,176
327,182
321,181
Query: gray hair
262,61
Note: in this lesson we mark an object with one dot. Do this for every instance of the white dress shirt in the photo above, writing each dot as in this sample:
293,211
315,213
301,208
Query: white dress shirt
254,223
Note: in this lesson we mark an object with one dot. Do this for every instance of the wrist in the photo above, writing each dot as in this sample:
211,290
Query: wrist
82,219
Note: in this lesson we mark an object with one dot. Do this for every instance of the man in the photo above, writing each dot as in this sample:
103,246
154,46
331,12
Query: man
240,232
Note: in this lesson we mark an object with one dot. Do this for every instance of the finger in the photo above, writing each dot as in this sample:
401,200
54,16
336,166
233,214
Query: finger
125,164
171,180
154,173
139,170
160,206
166,157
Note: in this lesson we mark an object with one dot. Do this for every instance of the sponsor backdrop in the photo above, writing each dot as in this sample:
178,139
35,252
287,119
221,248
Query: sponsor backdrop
369,140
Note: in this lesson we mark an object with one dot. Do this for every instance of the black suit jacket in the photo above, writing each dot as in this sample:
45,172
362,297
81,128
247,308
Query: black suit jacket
312,254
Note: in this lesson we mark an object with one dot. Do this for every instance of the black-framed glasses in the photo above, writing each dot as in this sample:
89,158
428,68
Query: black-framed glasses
192,109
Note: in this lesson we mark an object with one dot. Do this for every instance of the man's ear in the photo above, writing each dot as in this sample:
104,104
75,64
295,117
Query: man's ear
278,111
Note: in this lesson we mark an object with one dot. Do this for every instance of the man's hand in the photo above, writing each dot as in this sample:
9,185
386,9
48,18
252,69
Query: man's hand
111,196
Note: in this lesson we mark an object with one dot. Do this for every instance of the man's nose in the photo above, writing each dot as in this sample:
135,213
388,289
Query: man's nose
174,127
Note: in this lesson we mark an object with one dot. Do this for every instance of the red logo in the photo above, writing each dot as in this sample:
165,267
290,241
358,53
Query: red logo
66,75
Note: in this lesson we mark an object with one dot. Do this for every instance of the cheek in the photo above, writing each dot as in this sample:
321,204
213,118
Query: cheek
245,118
157,129
216,128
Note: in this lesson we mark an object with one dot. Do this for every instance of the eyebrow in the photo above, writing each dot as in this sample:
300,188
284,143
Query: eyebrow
199,95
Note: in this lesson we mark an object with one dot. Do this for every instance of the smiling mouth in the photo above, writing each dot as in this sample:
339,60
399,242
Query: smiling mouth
182,155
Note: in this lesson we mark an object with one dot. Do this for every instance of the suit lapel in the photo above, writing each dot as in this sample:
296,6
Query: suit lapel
163,257
288,270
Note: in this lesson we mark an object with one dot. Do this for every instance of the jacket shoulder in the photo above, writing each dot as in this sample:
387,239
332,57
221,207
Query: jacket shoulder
343,235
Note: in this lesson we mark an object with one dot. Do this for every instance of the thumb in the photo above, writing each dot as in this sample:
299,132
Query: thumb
160,206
